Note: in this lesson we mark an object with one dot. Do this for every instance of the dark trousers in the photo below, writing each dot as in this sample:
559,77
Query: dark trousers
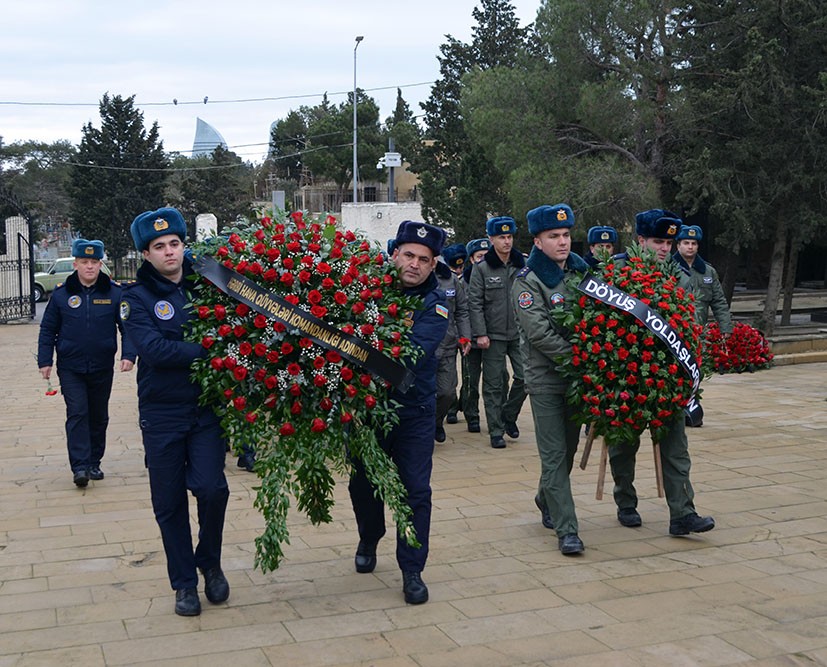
411,446
87,415
185,456
469,394
446,385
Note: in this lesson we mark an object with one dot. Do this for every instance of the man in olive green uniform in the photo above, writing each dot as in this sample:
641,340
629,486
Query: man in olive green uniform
705,283
656,229
538,292
494,328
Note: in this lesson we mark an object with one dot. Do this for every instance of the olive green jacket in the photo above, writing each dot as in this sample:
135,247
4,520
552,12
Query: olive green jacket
489,296
708,292
538,293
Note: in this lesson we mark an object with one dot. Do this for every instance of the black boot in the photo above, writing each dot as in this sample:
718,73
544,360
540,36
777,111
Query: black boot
414,589
365,559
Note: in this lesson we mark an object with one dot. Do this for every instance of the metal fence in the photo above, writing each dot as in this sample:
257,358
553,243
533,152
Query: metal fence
16,301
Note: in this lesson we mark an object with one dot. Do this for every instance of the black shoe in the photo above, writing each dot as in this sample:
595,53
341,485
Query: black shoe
570,544
439,434
452,418
216,587
415,590
691,523
473,427
497,442
547,522
247,462
187,602
365,559
95,473
81,478
511,430
629,517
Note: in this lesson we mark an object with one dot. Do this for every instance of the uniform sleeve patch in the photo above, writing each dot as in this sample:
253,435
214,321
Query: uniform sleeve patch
556,299
124,311
442,311
525,300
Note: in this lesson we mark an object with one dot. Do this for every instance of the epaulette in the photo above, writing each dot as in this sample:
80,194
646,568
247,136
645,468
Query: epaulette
522,273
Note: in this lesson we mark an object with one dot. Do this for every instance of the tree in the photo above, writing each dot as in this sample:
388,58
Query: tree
590,114
38,173
401,126
757,88
461,185
120,172
288,140
220,183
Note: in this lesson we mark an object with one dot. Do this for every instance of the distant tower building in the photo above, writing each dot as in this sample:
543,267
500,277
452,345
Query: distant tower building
207,139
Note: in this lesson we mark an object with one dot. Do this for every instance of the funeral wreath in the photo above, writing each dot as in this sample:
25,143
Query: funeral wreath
302,327
635,348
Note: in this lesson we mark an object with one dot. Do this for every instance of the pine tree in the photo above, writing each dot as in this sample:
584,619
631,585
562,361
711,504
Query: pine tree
120,173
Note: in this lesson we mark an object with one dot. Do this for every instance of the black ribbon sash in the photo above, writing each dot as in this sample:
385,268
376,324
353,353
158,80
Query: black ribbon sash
651,319
271,305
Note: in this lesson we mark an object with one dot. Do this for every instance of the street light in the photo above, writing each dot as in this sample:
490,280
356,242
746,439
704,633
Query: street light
355,161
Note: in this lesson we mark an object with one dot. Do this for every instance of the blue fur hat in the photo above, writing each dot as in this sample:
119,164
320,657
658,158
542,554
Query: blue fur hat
455,255
476,245
422,233
501,225
391,246
691,232
601,235
81,248
657,223
549,217
151,224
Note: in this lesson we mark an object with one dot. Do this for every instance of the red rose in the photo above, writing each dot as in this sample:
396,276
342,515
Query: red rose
317,425
350,390
260,374
347,373
217,363
220,312
340,298
251,417
286,279
318,311
296,408
207,341
270,382
286,348
245,349
242,309
318,362
260,322
366,329
294,369
333,356
287,429
365,380
295,390
203,312
288,263
396,351
370,402
326,404
320,380
224,330
304,277
230,362
358,308
239,373
239,331
314,296
239,403
273,357
346,417
260,349
323,267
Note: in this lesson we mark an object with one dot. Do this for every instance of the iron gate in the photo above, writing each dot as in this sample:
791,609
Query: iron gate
16,263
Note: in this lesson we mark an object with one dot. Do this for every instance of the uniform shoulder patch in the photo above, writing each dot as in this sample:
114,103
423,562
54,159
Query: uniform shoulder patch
556,299
525,299
124,310
164,310
441,310
524,271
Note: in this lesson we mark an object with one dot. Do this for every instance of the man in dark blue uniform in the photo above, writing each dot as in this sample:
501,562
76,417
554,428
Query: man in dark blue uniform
183,441
81,321
411,442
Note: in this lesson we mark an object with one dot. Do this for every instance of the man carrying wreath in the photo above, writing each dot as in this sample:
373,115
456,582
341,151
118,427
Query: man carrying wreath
540,291
410,443
656,230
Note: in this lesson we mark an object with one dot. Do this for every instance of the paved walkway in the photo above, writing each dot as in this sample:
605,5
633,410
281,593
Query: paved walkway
83,577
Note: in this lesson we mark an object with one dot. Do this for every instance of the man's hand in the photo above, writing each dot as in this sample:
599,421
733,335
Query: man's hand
483,342
126,365
46,372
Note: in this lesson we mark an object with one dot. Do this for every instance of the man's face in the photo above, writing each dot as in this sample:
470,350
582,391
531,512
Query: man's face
688,248
477,256
601,249
166,254
502,243
662,247
88,270
414,262
554,244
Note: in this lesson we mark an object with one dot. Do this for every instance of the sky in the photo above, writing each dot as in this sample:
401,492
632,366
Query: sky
252,60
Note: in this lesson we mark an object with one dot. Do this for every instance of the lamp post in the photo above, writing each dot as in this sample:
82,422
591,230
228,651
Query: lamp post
355,161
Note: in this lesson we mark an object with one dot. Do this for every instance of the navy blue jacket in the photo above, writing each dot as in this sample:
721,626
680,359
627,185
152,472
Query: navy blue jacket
429,327
82,323
155,314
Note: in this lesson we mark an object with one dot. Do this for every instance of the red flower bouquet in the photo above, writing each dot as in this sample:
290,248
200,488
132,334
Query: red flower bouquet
625,378
746,349
287,385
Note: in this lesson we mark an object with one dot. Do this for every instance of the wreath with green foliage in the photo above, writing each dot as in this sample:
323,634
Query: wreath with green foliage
307,412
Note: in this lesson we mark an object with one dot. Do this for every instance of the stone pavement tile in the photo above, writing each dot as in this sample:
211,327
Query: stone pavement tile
192,642
433,613
235,657
489,629
410,641
88,656
589,591
369,647
21,586
44,600
342,625
790,638
792,608
709,652
66,636
102,612
478,656
655,582
27,620
548,648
